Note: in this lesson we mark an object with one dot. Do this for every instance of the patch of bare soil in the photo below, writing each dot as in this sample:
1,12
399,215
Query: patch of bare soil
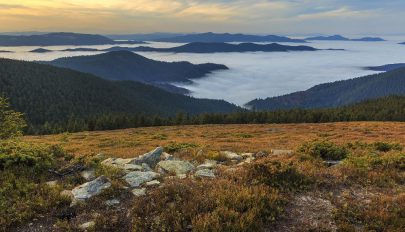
307,212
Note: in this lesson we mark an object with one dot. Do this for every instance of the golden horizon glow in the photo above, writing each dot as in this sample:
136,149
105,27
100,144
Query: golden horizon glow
122,16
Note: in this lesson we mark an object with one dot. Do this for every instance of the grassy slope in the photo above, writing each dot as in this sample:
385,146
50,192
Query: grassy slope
240,138
284,192
318,198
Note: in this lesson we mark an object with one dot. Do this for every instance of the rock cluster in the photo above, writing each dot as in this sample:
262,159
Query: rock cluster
150,170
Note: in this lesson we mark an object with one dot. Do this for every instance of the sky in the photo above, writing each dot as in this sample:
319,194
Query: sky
291,17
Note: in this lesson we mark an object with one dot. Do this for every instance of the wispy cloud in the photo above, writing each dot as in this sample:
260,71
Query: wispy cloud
197,15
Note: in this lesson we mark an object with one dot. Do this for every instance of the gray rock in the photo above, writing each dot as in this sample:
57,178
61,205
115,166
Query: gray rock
150,158
178,167
125,164
90,189
166,156
231,155
205,173
247,161
146,168
137,178
261,154
247,155
208,164
152,183
87,225
112,202
281,152
139,192
331,163
132,167
88,175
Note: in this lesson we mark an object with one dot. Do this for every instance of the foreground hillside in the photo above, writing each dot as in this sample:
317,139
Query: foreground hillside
297,177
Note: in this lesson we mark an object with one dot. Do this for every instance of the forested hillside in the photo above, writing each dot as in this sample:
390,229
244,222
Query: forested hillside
125,65
50,94
338,93
385,109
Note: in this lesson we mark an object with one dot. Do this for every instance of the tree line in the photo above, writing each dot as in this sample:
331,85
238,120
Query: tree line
384,109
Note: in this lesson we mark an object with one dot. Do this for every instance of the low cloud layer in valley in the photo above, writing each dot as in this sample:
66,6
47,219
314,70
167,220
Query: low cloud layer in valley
261,75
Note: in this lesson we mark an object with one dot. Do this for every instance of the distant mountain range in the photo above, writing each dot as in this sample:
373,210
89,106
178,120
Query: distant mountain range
402,43
125,65
341,38
61,38
338,93
387,67
50,94
198,47
144,37
226,38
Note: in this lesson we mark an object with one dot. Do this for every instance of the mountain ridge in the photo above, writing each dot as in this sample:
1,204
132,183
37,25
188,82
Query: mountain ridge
342,38
47,94
125,65
58,38
227,37
338,93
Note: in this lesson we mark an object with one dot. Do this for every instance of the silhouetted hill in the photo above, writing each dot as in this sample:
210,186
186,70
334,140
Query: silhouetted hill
226,47
198,47
4,51
144,37
338,93
40,50
61,38
369,39
387,67
226,37
124,65
341,38
50,94
402,43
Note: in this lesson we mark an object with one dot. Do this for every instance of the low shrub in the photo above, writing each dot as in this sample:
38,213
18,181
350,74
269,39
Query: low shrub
23,155
215,155
381,213
385,169
23,191
324,150
174,147
22,199
277,174
219,205
386,147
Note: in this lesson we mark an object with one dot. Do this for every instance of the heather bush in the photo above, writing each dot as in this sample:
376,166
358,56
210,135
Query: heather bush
220,205
324,150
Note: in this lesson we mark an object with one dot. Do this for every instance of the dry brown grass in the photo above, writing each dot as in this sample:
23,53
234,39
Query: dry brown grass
239,138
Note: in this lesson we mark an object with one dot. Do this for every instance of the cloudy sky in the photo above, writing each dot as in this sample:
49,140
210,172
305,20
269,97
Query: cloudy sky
253,16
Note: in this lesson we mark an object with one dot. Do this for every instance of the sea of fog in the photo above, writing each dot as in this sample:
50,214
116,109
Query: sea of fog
260,74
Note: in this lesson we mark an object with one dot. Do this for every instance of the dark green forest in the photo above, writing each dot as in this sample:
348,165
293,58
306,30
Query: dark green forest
49,94
55,100
125,65
384,109
338,93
